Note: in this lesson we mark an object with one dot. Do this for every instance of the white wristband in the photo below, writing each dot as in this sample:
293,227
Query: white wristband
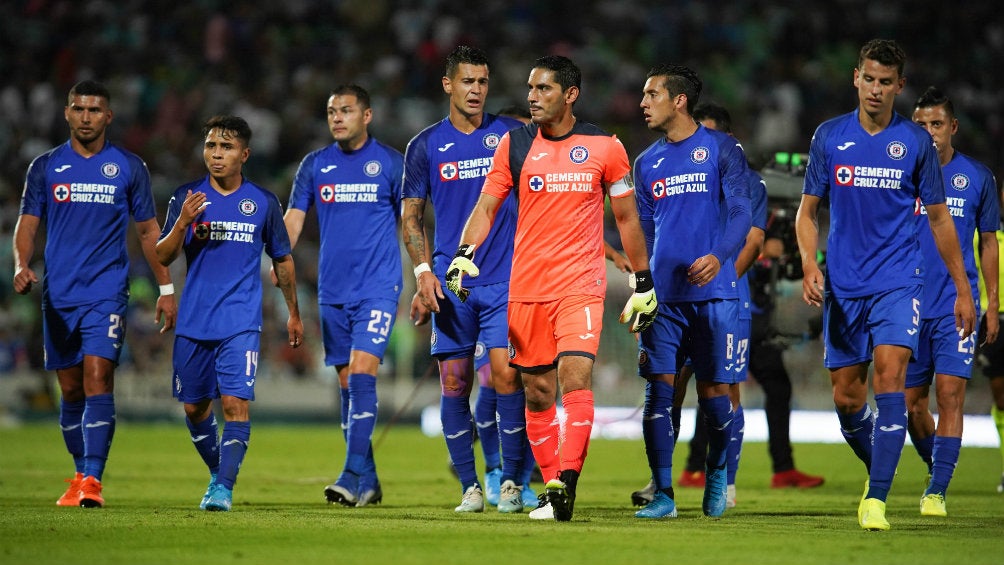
422,268
167,289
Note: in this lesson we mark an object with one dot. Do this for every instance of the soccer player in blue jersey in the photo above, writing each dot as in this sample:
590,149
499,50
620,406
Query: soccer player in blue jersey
355,186
697,177
715,117
873,164
446,164
223,223
943,357
86,189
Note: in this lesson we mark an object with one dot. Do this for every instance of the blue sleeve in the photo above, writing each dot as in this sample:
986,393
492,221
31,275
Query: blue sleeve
758,201
735,186
415,182
817,177
275,234
927,173
989,214
141,205
643,201
173,211
301,197
396,180
34,198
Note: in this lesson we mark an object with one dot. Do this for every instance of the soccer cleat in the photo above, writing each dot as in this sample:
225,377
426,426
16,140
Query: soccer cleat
861,504
510,498
794,478
369,492
220,498
715,493
90,493
338,492
493,480
544,510
72,495
933,505
645,495
205,497
561,494
529,496
693,479
730,496
661,506
871,515
473,500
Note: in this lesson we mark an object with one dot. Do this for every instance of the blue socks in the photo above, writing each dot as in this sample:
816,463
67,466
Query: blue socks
946,457
71,417
718,413
735,448
887,445
455,414
512,435
657,428
857,431
925,448
233,447
362,421
488,429
99,427
206,439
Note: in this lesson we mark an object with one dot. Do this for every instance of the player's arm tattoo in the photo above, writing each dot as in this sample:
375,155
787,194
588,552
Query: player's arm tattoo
413,229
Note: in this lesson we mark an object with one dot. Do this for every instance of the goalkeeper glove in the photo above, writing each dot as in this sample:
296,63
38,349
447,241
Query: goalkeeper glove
640,309
462,264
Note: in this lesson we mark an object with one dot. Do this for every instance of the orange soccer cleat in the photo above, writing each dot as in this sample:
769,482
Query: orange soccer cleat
692,479
794,478
90,493
72,495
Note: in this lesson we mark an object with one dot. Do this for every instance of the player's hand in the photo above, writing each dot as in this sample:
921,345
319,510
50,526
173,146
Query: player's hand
429,291
193,205
993,327
812,284
640,310
462,264
24,278
295,329
420,315
704,270
167,308
965,315
621,262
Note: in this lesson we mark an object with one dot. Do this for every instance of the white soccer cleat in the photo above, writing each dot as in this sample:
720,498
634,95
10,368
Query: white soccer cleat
473,500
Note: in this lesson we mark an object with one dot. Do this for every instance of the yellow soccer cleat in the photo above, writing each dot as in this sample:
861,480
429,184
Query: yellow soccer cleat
871,515
933,505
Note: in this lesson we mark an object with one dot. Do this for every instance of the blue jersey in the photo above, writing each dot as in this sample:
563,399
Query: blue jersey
223,247
758,207
86,203
873,182
685,192
447,167
971,196
358,198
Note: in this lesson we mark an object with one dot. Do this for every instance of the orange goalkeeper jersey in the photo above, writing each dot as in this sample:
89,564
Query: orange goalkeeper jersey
559,193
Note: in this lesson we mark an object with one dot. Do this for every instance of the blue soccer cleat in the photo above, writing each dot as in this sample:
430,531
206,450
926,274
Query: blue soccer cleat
205,497
369,491
530,499
493,486
715,492
343,491
220,498
662,506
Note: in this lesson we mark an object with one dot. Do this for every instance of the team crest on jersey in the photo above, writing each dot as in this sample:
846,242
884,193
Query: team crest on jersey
960,181
448,171
578,154
491,140
844,175
372,168
200,230
479,350
699,155
327,193
61,192
511,350
658,189
433,338
896,150
642,357
110,170
248,207
536,183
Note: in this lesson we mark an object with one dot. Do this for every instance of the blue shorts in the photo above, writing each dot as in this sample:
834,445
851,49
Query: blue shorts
362,326
742,341
940,351
91,329
853,327
460,327
709,333
207,368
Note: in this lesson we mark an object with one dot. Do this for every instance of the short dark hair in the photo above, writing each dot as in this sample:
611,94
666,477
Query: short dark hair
89,88
232,125
565,72
714,112
680,80
359,92
464,54
886,51
934,97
